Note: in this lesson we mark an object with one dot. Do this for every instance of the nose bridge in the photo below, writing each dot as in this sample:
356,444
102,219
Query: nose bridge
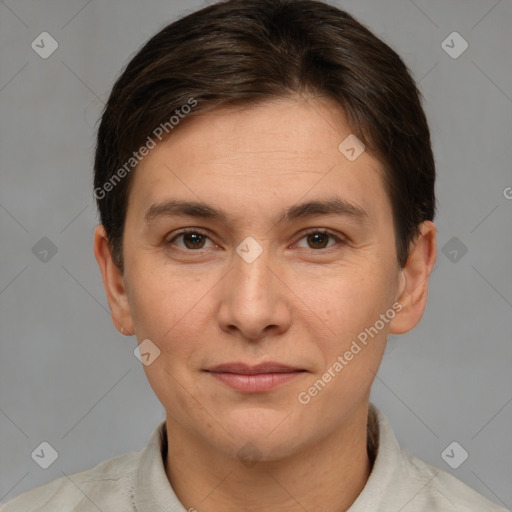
252,275
251,296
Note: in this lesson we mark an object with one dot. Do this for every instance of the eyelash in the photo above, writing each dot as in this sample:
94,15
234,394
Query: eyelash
309,232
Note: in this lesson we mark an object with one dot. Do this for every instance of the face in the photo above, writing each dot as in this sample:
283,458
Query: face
264,281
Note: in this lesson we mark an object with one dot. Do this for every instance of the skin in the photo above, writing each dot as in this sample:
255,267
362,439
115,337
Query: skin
301,303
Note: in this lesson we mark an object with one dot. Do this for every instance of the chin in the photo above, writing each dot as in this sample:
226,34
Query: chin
263,434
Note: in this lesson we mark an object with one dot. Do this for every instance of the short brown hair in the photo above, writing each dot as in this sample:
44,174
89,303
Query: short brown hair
243,52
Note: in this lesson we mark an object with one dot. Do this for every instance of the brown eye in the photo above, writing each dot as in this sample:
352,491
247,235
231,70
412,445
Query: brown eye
319,239
192,240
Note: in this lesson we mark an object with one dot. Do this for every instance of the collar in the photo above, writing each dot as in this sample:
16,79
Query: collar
153,491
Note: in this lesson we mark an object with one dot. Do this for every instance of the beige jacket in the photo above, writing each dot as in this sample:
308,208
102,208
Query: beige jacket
137,481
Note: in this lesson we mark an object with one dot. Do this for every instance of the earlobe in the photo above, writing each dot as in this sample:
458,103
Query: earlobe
113,282
414,276
123,331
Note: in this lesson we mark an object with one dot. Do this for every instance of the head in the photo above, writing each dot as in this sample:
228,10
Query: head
244,108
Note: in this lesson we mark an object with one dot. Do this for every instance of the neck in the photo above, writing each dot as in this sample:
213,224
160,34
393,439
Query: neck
327,475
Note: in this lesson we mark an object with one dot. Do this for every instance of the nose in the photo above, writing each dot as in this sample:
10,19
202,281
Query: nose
255,300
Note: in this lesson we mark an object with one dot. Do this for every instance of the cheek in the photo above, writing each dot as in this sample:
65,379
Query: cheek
173,312
169,311
352,307
348,302
164,302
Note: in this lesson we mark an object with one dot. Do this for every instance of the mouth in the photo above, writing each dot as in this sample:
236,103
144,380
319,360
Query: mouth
254,379
258,369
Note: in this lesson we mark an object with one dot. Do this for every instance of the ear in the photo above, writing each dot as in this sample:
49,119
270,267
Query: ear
113,282
413,290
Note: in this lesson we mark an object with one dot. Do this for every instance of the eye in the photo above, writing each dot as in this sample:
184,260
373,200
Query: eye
193,239
318,238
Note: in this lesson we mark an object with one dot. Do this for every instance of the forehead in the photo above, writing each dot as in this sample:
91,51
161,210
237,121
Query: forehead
264,156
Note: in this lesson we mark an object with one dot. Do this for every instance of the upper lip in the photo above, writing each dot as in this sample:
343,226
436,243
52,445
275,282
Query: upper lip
242,368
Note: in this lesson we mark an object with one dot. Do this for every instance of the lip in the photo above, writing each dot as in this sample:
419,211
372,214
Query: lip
254,379
258,369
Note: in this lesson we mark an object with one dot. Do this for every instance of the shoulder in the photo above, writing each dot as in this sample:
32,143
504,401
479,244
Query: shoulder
401,481
106,486
443,491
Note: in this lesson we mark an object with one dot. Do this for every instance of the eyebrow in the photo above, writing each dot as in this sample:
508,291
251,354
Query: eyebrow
330,206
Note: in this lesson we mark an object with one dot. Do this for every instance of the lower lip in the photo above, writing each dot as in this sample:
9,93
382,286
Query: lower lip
256,383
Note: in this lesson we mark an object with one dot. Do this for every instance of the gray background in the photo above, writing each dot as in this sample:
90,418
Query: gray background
67,377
